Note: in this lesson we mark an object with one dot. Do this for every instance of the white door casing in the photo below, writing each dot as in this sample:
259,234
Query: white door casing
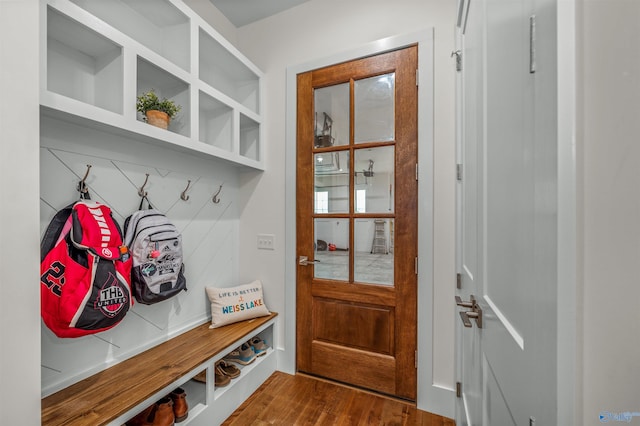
432,396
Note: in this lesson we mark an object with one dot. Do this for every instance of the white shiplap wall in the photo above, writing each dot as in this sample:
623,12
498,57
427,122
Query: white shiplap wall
210,234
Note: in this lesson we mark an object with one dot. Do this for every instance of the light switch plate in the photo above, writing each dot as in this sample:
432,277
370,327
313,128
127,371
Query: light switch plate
266,241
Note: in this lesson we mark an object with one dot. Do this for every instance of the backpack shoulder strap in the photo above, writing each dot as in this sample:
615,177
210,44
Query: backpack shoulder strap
117,225
55,230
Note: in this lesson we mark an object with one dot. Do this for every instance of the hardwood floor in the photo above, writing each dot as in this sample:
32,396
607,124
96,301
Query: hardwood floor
301,400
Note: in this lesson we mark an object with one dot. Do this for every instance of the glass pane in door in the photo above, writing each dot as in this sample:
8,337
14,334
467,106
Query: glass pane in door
373,257
331,249
331,116
331,182
374,99
374,180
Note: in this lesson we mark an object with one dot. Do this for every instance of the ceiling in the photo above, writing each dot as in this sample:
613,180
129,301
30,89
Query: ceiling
243,12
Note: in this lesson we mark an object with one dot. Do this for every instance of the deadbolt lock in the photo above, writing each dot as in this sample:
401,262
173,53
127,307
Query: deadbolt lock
474,313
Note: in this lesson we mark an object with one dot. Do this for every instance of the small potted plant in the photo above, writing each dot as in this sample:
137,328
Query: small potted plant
156,111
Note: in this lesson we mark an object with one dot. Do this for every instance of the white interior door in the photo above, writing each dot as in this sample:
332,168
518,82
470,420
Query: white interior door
507,363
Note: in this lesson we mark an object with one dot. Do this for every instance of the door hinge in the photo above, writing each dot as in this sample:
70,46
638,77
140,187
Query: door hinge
418,77
532,44
459,172
459,281
458,55
458,389
416,265
416,172
416,359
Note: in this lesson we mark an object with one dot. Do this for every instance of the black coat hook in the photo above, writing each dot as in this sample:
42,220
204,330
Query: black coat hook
215,198
184,196
141,191
82,186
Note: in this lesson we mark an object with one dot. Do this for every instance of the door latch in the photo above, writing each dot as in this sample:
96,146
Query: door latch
304,261
470,304
474,313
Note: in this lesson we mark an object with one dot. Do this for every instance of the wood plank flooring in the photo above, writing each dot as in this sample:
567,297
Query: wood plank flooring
302,400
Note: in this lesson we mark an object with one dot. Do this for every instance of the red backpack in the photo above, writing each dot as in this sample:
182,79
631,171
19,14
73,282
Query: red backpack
85,271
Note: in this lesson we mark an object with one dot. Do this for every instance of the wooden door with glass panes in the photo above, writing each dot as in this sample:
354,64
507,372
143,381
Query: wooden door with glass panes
357,222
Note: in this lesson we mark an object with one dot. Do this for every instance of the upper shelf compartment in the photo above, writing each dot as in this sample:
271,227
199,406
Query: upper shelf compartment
157,24
82,64
220,69
98,56
165,85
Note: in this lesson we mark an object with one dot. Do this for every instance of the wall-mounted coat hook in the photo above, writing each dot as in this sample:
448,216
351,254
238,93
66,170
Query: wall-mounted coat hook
215,198
82,186
141,191
184,196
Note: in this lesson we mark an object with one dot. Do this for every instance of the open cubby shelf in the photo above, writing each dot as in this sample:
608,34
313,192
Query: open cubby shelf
100,56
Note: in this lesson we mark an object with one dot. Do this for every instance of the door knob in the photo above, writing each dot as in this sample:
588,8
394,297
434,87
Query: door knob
304,261
474,313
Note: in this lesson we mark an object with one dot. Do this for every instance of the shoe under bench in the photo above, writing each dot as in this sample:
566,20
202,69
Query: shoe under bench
116,394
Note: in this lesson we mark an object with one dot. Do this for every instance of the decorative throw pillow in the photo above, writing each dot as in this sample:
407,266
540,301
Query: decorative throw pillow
233,304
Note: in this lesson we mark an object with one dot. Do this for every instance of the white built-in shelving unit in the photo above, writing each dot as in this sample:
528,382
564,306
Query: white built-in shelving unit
100,55
97,56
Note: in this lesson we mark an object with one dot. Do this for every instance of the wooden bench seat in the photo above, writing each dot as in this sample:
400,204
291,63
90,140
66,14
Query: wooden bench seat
111,393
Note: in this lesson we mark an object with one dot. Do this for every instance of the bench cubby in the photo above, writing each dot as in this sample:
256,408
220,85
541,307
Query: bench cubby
115,395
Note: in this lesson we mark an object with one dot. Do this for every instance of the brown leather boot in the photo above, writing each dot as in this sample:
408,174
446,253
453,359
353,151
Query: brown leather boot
180,406
159,414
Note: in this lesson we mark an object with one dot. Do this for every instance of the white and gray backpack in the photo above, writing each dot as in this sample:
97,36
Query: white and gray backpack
155,245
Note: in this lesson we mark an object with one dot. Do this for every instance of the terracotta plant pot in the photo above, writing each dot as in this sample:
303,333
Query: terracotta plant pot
158,118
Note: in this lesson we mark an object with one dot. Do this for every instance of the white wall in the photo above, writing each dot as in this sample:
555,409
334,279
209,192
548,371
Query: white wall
209,235
19,180
318,29
609,152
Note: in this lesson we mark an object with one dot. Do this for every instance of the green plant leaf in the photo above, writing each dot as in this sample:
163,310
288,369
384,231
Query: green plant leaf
150,101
